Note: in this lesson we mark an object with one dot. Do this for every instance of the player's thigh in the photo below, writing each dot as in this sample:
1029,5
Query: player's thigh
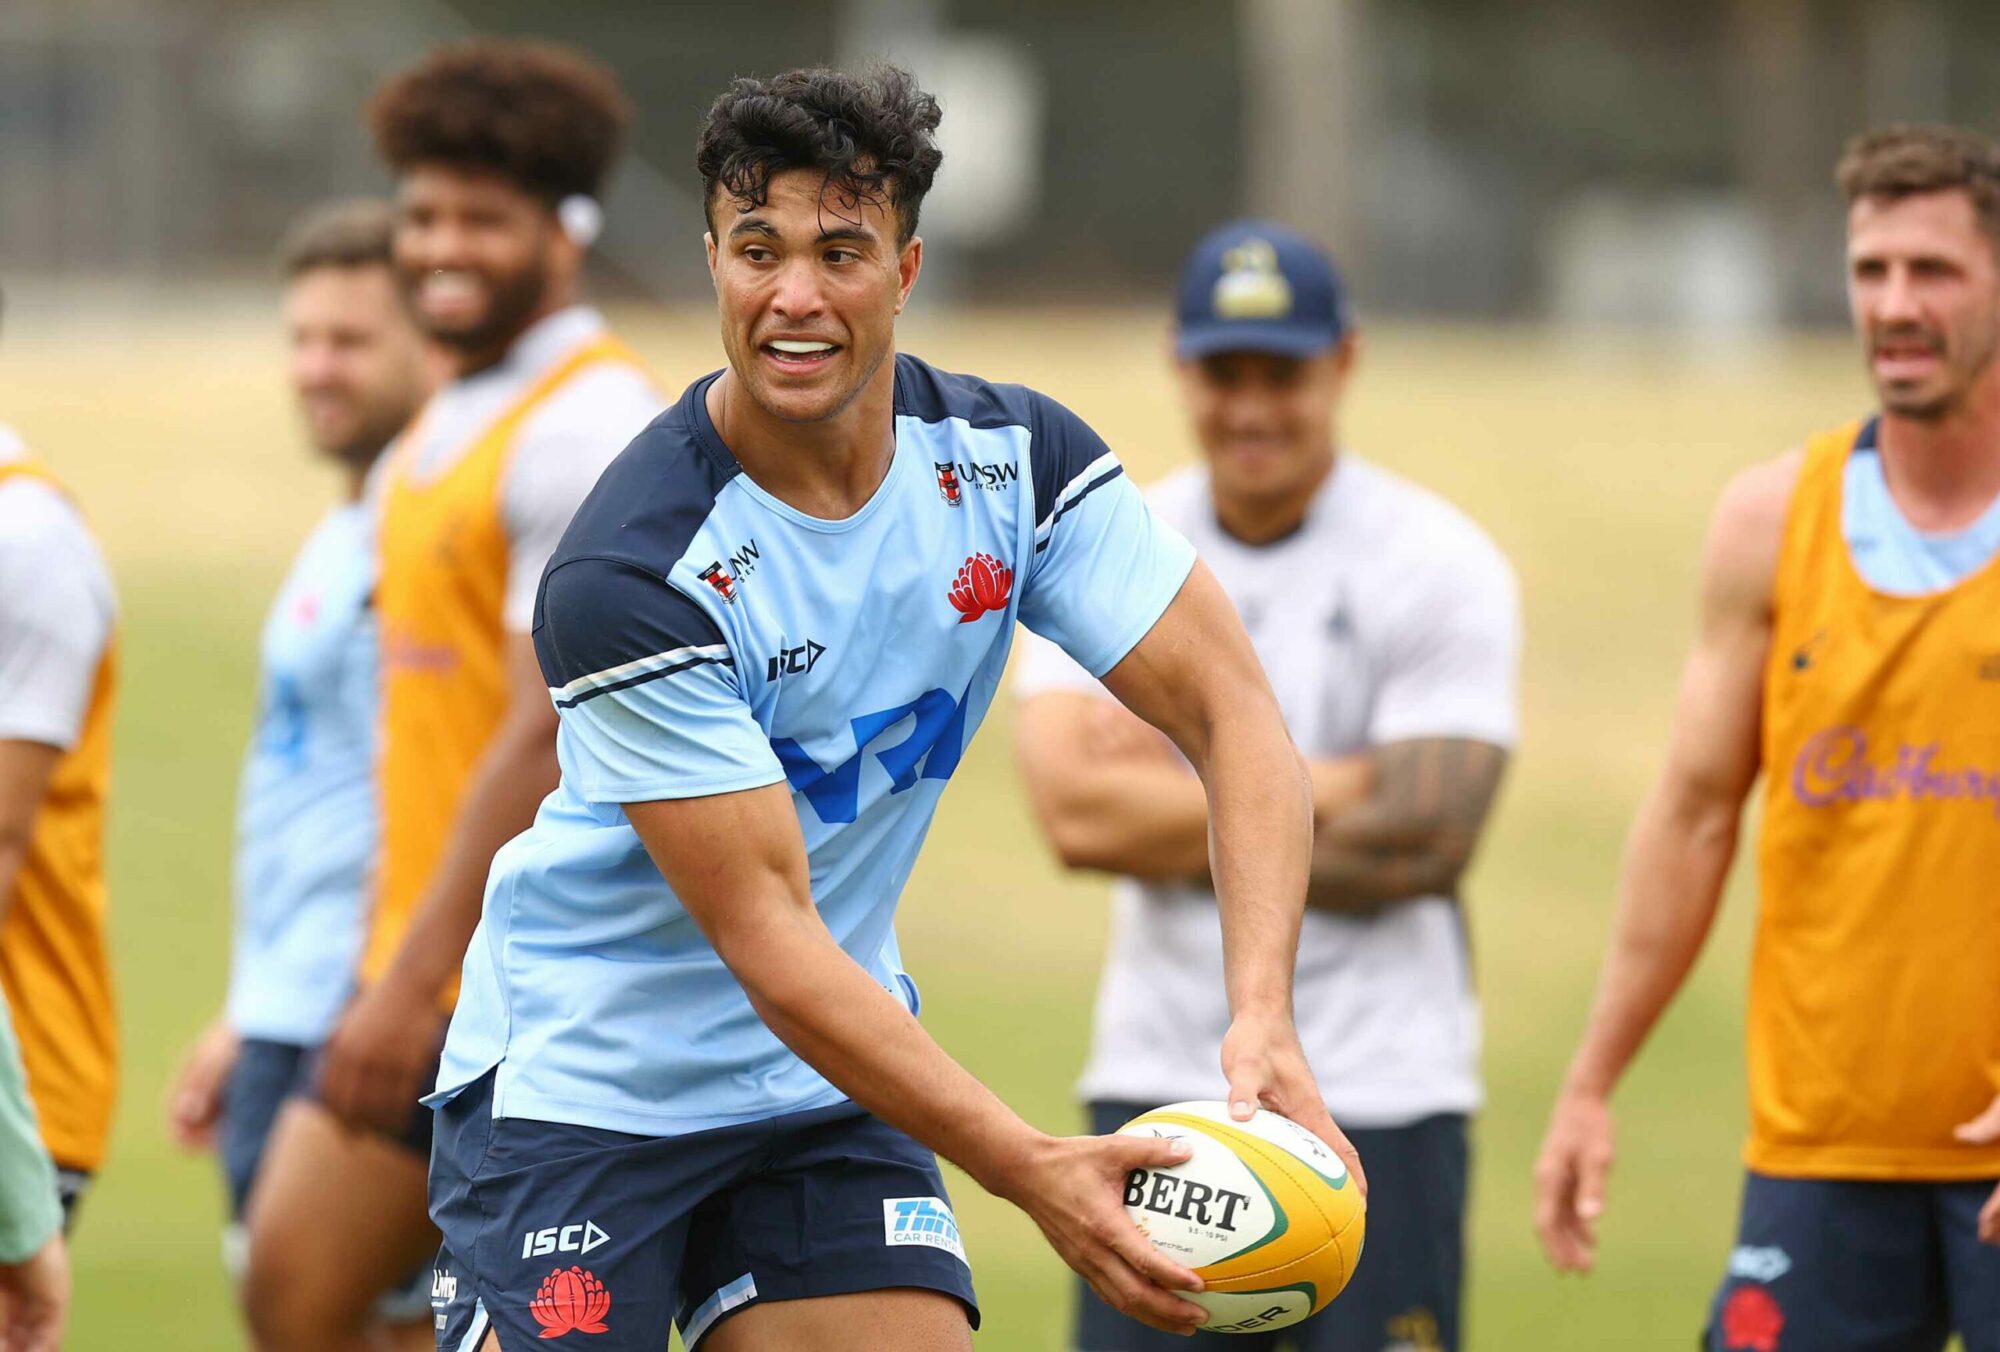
862,1321
336,1210
1971,1268
841,1205
1405,1292
1831,1265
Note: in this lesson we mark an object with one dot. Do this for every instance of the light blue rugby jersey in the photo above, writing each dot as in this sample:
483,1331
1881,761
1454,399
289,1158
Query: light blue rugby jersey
1888,551
306,812
700,637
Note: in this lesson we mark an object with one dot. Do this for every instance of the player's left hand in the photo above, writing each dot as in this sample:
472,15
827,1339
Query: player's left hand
1267,1068
1985,1130
382,1057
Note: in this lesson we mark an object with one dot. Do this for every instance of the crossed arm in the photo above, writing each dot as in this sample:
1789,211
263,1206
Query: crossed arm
1394,822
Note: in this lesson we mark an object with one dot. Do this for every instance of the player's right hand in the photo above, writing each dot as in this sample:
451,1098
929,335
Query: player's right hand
34,1299
1071,1186
194,1102
1570,1175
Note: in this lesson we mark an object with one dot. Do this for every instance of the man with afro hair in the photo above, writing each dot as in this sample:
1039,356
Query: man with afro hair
499,149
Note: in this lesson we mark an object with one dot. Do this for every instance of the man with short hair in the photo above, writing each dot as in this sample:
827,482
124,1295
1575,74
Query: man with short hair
1389,625
306,819
686,1083
500,149
1850,606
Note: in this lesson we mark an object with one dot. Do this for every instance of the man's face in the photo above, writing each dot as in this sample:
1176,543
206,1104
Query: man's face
357,362
476,254
1924,291
808,286
1264,421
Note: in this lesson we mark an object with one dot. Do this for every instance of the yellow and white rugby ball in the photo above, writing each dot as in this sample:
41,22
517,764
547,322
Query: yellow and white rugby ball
1264,1213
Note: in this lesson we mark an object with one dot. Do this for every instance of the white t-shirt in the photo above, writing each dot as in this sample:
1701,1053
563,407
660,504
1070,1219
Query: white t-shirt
1388,615
559,451
57,610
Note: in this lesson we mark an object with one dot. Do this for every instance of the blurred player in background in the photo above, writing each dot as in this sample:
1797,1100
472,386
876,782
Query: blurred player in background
686,1083
306,817
58,660
1849,649
500,149
1389,626
34,1262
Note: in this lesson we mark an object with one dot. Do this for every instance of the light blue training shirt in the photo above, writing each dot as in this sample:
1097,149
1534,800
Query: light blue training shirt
306,810
1891,554
699,637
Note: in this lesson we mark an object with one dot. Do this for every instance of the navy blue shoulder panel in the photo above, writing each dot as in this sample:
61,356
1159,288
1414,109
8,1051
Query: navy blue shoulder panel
1060,444
604,598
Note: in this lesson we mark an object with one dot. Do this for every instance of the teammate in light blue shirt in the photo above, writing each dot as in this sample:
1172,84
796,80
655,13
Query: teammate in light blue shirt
684,1080
306,816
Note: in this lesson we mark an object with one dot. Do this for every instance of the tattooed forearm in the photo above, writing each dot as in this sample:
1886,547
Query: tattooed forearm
1416,833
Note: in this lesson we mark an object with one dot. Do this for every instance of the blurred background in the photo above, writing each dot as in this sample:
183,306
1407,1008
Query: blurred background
1597,258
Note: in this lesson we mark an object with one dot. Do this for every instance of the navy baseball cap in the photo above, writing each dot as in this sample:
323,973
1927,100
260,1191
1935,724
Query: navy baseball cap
1257,286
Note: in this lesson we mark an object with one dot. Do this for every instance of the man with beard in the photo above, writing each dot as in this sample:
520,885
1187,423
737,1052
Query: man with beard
306,821
1848,648
500,149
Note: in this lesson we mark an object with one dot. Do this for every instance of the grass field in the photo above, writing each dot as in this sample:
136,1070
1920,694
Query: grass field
1592,462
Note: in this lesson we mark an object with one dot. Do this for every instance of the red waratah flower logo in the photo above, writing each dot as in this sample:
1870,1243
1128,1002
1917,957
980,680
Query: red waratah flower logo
571,1302
1752,1320
982,585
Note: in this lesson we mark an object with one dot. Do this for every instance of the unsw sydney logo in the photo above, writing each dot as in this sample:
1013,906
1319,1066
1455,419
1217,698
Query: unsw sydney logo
952,478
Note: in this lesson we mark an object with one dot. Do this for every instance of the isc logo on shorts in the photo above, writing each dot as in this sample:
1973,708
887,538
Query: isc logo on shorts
921,1220
562,1239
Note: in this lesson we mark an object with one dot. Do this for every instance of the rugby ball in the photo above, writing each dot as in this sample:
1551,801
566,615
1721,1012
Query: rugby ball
1263,1211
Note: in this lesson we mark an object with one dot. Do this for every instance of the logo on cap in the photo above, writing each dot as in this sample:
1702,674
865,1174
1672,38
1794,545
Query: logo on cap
1251,286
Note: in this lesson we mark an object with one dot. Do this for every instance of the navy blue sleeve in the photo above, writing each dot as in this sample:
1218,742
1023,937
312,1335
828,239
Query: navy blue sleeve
646,688
1105,568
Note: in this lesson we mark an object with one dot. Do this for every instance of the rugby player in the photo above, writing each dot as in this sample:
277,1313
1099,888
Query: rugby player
500,149
1846,649
58,660
306,824
1389,624
686,1083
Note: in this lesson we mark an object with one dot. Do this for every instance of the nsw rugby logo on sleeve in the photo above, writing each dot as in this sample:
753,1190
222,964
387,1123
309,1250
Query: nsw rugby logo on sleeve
921,1220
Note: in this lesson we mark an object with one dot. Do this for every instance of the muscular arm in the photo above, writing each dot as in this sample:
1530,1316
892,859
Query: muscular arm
516,773
1195,677
1110,800
1415,833
25,768
1678,854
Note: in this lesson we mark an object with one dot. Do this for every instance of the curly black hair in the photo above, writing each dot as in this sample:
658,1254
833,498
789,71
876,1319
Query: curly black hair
872,135
548,117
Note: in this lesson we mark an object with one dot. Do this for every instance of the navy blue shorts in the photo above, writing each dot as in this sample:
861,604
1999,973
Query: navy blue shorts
1831,1265
551,1229
1405,1293
265,1075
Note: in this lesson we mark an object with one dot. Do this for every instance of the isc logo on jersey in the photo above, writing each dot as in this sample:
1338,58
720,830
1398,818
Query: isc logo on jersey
1263,1212
921,1220
562,1239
